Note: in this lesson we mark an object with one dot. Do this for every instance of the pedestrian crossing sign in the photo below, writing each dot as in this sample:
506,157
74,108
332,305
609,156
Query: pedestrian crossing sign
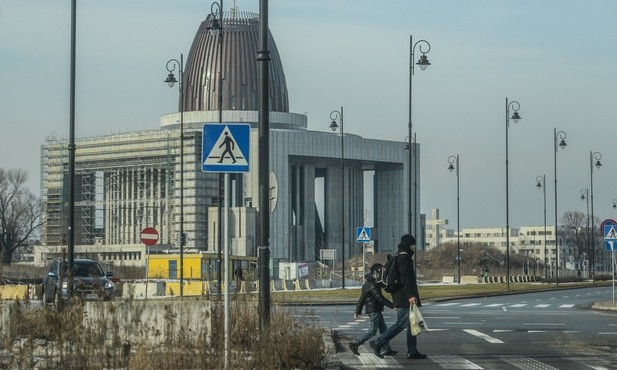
363,234
225,147
610,232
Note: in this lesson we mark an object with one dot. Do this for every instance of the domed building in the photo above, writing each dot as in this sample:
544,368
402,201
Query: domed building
128,181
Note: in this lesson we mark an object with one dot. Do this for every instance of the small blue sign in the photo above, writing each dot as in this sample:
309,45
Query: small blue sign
610,245
610,232
225,147
363,234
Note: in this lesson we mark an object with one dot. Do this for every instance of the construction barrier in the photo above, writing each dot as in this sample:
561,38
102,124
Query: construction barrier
13,292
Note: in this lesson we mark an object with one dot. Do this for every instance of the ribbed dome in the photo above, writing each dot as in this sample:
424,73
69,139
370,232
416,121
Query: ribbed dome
240,71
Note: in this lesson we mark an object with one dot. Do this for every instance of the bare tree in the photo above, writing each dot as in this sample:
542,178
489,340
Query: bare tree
20,214
577,235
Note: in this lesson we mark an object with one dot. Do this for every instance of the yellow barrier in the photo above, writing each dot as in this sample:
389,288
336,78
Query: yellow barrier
190,288
12,292
306,283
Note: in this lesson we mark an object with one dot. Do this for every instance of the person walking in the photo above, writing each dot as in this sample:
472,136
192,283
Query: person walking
373,300
402,299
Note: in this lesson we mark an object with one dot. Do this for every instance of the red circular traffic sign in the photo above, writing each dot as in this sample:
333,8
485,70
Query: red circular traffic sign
149,236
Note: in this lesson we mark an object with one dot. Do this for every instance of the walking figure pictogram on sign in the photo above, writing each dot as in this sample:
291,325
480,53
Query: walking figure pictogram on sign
229,146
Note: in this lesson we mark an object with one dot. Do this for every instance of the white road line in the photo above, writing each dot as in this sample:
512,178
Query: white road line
536,331
494,305
449,304
454,362
543,324
486,337
518,305
566,306
502,330
470,304
542,305
608,333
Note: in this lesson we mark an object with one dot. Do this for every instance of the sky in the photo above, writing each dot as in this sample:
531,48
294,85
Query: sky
556,58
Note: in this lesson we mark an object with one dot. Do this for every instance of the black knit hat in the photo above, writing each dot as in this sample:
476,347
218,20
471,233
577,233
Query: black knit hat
408,240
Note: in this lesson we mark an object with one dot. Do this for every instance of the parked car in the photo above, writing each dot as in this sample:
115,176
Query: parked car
89,281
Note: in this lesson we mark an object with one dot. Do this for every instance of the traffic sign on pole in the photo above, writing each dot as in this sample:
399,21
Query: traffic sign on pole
149,236
363,234
226,147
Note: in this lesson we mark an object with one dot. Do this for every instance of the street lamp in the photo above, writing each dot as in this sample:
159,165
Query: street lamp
593,156
454,164
423,63
541,185
216,14
558,137
515,117
334,115
585,196
171,81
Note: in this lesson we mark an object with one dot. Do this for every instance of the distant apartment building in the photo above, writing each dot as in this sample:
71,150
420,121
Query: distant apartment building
535,242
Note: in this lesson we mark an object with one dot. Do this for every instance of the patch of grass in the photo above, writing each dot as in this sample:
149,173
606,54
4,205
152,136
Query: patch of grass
427,292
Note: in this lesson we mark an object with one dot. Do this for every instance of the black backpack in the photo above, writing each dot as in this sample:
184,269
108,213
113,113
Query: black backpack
389,277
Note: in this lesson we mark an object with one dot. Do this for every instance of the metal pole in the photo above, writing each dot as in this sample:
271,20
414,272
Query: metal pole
263,59
227,274
507,201
597,156
220,99
182,237
71,148
556,228
454,164
409,127
342,199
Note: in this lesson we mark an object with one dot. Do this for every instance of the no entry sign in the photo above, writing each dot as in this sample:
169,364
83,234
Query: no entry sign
149,236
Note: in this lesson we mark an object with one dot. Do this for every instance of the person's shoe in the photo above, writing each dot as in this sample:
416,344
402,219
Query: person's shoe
416,356
390,352
376,350
354,348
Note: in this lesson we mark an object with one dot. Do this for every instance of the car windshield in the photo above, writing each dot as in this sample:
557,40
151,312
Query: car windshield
88,269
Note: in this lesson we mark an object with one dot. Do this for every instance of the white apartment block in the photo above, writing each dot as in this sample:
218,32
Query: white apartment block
535,242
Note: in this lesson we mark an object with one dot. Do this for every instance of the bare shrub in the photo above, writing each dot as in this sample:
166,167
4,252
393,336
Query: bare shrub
45,337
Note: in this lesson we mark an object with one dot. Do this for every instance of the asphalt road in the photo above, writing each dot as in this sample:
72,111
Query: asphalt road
540,330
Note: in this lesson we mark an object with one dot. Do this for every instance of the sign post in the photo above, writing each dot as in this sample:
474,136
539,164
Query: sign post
610,241
226,149
149,236
363,235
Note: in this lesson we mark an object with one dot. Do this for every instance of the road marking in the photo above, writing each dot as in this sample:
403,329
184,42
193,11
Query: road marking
504,308
536,331
502,330
518,305
449,304
543,324
454,362
470,304
608,333
542,305
526,363
566,306
494,305
486,337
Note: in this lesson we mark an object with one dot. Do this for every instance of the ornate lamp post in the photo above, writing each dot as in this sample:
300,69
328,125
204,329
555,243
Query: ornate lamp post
334,115
515,117
216,13
561,136
423,63
593,156
171,81
541,185
453,160
585,197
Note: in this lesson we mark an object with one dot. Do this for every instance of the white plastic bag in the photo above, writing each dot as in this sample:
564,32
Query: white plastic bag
418,325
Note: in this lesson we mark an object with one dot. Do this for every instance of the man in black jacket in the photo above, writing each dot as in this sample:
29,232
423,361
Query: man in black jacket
403,299
373,300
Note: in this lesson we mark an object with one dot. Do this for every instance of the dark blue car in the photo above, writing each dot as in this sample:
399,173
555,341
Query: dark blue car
89,281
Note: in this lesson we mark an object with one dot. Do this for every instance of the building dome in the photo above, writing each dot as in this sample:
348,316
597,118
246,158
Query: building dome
239,69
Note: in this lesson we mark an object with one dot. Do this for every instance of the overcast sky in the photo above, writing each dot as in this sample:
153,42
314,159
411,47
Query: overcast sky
556,58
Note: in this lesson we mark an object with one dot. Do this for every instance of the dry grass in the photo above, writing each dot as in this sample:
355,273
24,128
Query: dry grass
47,338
